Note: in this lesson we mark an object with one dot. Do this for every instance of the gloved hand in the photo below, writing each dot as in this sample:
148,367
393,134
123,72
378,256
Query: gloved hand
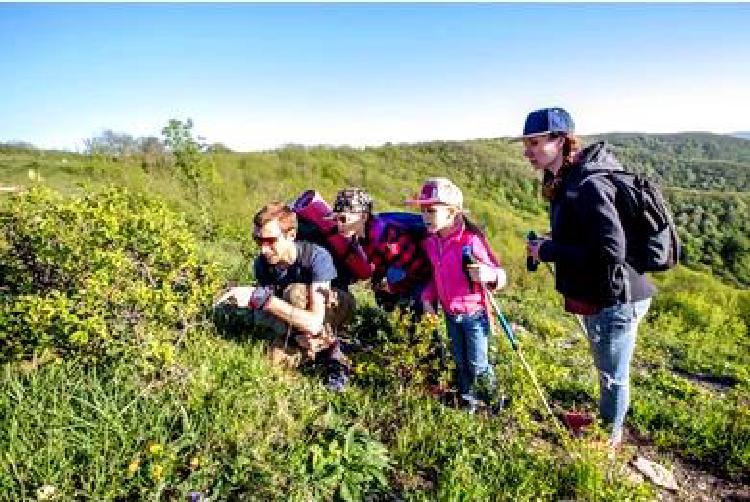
239,295
246,296
395,274
479,272
260,297
532,248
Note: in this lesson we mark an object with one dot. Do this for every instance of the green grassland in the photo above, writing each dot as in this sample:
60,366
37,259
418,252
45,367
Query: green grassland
140,397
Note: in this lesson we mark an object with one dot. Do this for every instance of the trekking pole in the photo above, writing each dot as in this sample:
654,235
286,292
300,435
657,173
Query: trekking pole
517,349
469,258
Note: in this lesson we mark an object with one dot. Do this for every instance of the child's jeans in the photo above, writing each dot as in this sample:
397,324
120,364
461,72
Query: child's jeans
469,335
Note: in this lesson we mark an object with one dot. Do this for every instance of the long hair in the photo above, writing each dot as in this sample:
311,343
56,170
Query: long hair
472,226
571,146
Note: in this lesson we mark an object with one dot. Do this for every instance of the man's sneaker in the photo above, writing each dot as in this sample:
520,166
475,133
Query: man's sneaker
337,379
469,404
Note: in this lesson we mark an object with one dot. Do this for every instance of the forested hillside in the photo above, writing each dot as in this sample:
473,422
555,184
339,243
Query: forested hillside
707,181
116,385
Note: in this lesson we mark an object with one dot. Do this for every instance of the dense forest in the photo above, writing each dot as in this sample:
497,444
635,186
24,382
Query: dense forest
706,178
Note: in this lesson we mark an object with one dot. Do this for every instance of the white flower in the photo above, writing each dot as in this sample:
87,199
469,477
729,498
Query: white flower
46,492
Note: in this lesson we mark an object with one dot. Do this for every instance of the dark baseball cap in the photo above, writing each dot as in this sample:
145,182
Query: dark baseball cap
546,121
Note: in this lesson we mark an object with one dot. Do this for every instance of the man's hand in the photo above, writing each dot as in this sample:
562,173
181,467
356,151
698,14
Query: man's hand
239,295
312,344
381,285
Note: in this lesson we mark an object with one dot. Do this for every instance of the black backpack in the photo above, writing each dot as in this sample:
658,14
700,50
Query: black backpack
652,241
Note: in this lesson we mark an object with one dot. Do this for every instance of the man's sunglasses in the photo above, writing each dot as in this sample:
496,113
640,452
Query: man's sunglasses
268,241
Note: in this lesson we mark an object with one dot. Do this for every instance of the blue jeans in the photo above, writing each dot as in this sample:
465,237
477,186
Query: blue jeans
469,335
611,335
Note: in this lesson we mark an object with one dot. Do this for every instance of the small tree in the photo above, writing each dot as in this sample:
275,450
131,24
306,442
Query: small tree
194,167
178,137
153,152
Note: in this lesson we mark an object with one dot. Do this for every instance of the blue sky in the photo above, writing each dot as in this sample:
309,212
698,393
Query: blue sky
256,76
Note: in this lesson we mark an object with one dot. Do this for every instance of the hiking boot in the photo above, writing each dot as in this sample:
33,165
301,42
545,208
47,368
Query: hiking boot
470,405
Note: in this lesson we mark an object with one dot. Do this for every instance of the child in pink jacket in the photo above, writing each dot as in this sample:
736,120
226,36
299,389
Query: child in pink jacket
459,289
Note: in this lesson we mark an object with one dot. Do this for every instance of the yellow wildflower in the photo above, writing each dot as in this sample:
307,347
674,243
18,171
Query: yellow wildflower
154,448
157,472
133,467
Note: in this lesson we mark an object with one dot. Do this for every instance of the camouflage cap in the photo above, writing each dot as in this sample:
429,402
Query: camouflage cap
354,200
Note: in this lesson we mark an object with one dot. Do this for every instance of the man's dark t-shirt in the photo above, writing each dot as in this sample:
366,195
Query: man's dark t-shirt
313,264
309,232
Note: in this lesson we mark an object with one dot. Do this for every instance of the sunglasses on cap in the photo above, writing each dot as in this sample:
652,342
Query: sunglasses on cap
344,216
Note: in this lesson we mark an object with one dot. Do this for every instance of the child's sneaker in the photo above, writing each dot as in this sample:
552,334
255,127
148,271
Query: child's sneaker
469,404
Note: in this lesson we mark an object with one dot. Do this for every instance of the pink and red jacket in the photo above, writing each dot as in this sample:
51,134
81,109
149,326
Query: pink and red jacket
449,282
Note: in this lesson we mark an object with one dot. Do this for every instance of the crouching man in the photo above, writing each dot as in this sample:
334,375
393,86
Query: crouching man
294,296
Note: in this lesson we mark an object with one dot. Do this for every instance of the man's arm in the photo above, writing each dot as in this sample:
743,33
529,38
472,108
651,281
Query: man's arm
309,320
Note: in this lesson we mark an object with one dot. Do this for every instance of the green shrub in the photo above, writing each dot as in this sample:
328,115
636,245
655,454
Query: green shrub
94,274
341,460
397,353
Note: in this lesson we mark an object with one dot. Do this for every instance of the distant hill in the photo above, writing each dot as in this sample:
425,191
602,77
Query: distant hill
694,160
741,134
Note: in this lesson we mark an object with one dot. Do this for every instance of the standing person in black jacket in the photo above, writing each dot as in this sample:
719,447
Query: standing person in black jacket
587,245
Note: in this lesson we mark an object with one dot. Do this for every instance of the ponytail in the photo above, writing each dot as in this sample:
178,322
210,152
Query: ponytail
473,227
479,232
571,146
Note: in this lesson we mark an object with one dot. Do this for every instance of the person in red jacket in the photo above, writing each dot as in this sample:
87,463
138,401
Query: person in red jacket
392,243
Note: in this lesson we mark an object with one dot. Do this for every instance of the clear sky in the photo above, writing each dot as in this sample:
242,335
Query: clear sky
256,76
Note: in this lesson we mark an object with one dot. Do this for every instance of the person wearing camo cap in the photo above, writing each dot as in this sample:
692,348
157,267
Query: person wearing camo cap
392,243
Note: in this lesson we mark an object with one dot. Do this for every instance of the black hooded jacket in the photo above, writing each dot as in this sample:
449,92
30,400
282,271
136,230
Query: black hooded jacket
588,242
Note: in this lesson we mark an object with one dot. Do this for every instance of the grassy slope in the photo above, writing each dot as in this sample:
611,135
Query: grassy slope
223,420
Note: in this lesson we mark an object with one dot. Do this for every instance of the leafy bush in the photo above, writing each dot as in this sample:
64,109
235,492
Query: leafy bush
341,459
398,352
705,427
95,273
